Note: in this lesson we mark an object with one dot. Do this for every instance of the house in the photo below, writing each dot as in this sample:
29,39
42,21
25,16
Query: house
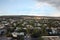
5,38
15,34
3,32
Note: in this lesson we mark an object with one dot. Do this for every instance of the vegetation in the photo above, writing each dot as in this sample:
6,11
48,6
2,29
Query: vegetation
30,27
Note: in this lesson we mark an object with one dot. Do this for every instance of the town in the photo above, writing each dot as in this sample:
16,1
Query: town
29,27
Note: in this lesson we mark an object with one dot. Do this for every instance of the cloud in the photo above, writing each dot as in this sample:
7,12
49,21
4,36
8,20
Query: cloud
39,6
40,9
56,14
55,3
1,12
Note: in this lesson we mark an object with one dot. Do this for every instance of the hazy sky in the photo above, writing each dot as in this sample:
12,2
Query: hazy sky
27,7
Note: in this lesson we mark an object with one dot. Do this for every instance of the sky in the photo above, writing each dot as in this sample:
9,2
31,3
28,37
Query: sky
28,7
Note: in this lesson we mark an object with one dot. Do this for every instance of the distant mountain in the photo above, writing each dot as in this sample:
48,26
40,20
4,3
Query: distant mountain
29,17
